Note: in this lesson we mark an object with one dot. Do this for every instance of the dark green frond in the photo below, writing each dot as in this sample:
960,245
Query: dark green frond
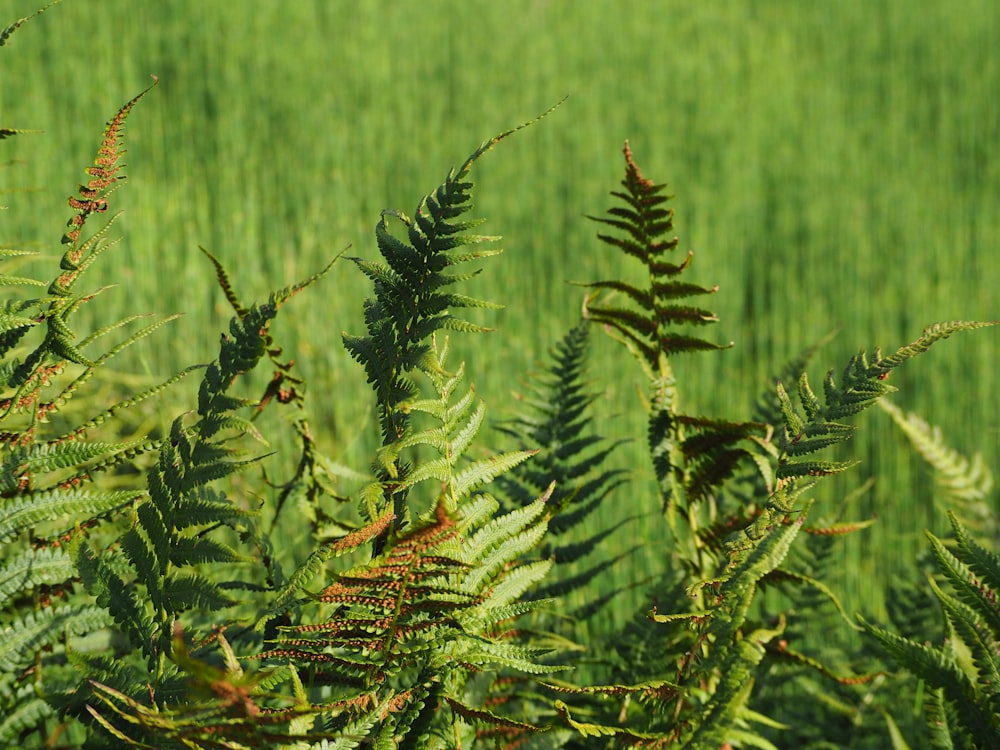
965,669
191,590
813,424
979,594
410,306
982,562
940,670
649,325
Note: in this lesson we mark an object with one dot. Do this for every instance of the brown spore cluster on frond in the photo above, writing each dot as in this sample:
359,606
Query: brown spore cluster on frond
105,173
632,171
385,604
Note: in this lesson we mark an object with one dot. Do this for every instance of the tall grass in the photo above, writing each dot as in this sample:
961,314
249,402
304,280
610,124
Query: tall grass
836,167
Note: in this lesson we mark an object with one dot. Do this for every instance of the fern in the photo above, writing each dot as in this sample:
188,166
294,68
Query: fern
692,456
649,330
6,33
412,302
419,621
965,678
167,541
964,483
142,605
50,456
229,707
557,422
696,460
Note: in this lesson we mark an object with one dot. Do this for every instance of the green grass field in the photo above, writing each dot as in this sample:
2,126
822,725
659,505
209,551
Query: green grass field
836,166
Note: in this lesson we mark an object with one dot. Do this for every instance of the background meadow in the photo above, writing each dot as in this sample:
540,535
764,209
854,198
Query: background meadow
835,167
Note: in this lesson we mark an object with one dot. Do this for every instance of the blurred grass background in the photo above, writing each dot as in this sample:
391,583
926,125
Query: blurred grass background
835,166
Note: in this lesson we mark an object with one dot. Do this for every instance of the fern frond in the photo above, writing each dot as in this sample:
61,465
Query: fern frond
558,425
982,562
32,568
191,590
284,598
5,280
105,175
713,451
6,33
941,671
485,543
729,702
23,637
979,636
814,424
645,224
978,592
202,506
27,510
26,712
590,729
410,306
43,458
966,691
504,602
966,482
114,594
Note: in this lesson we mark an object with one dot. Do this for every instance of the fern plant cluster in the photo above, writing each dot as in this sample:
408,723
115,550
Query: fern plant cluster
146,598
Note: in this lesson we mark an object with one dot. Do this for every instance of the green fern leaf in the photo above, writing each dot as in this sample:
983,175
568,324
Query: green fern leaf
486,470
27,510
977,636
6,280
982,562
147,561
939,670
965,482
589,729
192,590
494,534
26,712
504,655
23,637
204,505
730,699
114,594
32,568
513,586
813,468
201,549
766,556
977,594
42,458
509,550
409,305
6,33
